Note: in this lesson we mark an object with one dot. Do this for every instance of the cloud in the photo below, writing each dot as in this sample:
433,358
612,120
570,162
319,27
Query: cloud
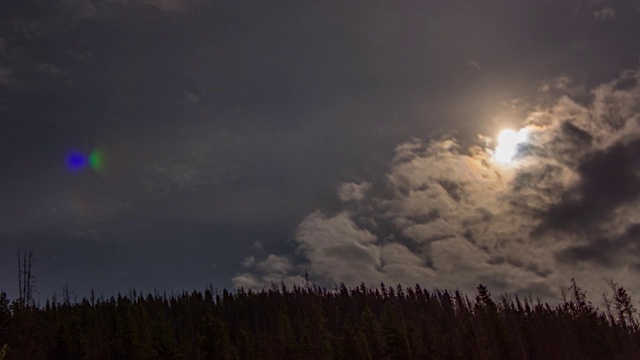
248,261
609,179
189,165
191,98
564,85
607,251
473,63
448,215
169,6
579,46
5,76
605,14
339,251
64,16
50,69
247,281
275,264
353,191
81,9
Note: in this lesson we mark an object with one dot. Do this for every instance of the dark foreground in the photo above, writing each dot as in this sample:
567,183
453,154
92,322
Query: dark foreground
313,323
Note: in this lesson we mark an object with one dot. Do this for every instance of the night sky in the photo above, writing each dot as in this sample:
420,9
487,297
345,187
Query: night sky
173,144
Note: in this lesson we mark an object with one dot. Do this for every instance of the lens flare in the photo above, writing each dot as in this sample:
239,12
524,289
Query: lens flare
508,142
76,161
96,160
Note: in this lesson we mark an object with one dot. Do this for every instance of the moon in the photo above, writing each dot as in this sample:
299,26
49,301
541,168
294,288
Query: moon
508,142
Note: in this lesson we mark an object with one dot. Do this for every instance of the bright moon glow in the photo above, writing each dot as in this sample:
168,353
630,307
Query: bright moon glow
508,142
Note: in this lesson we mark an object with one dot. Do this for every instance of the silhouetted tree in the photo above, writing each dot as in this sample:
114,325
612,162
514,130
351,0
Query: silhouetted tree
310,322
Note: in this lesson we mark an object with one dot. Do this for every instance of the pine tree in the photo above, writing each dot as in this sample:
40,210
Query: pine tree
245,344
353,343
625,311
5,319
5,323
286,339
375,335
492,336
396,346
214,338
464,338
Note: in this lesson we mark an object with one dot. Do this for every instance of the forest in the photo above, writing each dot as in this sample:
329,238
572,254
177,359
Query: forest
311,322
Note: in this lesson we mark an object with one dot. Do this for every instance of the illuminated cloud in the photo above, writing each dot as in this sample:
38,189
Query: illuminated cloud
353,191
275,264
453,217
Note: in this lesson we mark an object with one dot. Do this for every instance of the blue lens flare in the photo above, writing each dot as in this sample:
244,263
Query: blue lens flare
76,161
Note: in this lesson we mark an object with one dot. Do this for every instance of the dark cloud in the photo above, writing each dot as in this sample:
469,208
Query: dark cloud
577,137
626,83
607,252
608,180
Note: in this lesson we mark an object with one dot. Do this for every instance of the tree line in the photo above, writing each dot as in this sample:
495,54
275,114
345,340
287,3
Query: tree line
310,322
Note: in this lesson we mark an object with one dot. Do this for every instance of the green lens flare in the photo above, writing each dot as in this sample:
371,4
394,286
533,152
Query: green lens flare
96,160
